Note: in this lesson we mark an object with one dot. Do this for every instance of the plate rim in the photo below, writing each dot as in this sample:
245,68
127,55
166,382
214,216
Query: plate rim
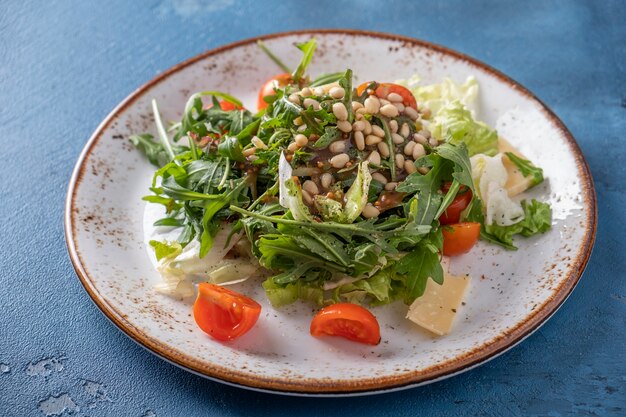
459,364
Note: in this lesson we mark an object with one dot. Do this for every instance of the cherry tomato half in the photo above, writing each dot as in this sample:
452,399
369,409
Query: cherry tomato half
459,238
384,89
347,320
267,89
224,105
460,202
222,313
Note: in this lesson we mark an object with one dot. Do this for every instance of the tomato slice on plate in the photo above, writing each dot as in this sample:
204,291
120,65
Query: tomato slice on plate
228,106
459,238
224,314
460,202
384,89
267,89
347,320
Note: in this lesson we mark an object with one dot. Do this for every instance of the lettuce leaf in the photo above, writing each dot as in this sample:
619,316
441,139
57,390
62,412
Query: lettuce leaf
280,295
436,96
537,219
454,124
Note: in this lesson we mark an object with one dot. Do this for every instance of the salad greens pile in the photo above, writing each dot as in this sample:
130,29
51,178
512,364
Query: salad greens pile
235,168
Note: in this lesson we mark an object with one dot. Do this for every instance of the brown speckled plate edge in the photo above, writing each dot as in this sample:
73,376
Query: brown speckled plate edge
452,367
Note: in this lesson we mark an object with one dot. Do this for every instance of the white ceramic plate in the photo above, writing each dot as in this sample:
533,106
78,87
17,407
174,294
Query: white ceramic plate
511,295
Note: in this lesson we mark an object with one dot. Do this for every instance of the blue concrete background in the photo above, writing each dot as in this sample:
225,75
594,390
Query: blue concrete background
65,64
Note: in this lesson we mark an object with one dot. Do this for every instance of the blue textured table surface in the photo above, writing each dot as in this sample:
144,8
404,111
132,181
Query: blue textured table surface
65,64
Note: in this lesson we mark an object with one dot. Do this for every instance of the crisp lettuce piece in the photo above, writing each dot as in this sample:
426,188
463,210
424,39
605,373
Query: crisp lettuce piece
296,206
490,176
381,288
537,219
280,295
454,124
436,96
355,198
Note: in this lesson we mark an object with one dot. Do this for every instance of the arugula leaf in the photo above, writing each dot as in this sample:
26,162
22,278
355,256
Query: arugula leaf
419,265
308,49
527,168
326,79
273,57
154,151
231,148
331,134
346,83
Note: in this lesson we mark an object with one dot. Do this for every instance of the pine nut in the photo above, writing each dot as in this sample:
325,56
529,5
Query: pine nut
337,147
399,160
358,126
301,128
372,105
306,92
433,142
384,102
361,111
307,197
294,98
293,146
252,158
339,161
310,187
339,110
319,91
423,170
378,131
397,139
373,140
358,116
404,130
328,87
337,92
395,97
420,138
425,133
418,151
249,151
399,106
301,140
374,158
326,179
377,176
383,149
390,186
309,102
258,143
344,125
389,110
369,211
408,148
359,140
368,127
298,121
411,112
409,166
356,105
393,126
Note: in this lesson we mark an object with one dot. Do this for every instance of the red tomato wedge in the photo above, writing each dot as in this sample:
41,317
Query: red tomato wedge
347,320
224,314
459,238
267,89
460,202
384,89
228,106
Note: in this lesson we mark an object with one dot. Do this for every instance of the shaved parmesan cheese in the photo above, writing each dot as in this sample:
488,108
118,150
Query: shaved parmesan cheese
436,309
516,182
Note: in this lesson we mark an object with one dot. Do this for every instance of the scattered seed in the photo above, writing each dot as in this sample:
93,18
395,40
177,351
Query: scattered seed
307,197
294,98
310,187
384,102
298,121
397,139
389,110
368,127
393,126
399,160
306,92
408,148
339,161
404,130
359,140
309,102
390,186
418,151
383,148
425,133
358,126
337,147
337,92
293,146
378,131
372,104
377,176
373,140
409,166
356,105
399,106
344,125
258,143
301,140
249,151
411,112
339,110
301,128
395,97
374,158
419,138
319,91
433,142
326,179
369,211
